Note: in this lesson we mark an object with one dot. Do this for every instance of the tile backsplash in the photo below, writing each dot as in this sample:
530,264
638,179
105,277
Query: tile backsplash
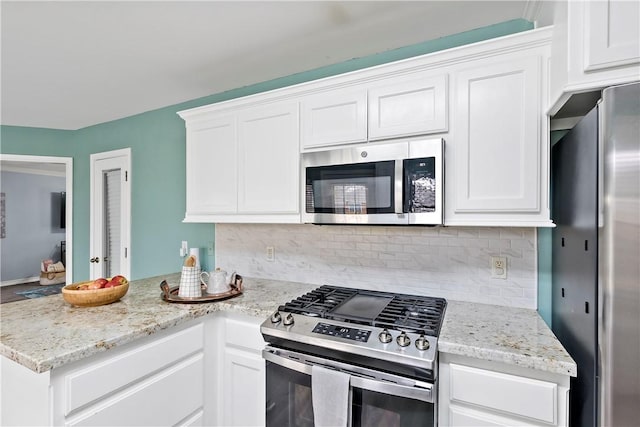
449,262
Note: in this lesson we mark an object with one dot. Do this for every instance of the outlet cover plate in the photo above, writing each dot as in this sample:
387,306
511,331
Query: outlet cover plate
498,267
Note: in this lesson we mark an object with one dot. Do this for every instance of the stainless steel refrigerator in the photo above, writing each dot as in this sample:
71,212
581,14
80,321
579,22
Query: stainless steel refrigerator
596,258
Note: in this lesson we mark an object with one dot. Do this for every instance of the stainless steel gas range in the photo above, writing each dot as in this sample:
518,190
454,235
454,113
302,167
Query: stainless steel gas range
344,356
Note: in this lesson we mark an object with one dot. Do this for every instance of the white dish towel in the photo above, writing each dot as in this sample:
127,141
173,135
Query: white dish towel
330,397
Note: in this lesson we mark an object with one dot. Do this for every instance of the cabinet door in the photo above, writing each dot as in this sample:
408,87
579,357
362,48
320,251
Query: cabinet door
174,396
612,34
268,163
409,106
497,146
465,417
244,391
211,167
338,116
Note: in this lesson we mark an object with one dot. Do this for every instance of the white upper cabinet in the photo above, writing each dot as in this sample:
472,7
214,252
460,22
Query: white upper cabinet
243,164
411,105
497,136
338,116
487,101
497,153
595,44
268,166
391,106
211,167
613,34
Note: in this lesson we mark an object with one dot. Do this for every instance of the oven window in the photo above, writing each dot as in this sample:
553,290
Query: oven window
289,404
361,188
371,408
289,401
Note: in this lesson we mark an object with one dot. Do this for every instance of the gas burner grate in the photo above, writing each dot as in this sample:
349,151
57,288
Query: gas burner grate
409,313
318,302
413,314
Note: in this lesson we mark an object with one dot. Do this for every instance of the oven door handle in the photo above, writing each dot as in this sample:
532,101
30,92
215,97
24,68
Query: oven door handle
423,392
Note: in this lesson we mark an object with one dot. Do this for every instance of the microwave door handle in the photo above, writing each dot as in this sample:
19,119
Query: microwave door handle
398,187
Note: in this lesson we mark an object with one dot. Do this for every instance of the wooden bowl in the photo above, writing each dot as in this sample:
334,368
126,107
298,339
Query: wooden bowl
93,297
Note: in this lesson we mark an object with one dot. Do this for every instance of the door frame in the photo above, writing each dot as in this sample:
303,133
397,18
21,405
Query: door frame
126,201
68,168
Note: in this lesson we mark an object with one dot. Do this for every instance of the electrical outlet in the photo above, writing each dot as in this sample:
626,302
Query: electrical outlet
271,253
210,248
498,267
184,249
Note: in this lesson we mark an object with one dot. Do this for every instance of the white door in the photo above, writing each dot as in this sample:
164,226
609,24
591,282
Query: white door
110,218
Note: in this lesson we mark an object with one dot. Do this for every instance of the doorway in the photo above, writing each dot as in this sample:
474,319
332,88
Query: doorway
48,165
110,214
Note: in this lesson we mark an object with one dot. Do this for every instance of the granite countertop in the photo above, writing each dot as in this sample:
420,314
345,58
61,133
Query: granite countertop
515,336
45,333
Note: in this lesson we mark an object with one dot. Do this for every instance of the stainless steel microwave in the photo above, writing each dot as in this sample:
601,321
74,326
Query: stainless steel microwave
399,183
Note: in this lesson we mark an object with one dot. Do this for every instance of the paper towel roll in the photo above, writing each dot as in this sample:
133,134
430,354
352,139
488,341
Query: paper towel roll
196,253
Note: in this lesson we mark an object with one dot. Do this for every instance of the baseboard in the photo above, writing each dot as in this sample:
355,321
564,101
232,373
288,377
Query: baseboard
18,281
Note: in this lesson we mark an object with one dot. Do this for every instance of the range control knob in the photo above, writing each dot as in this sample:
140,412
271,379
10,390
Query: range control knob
385,337
288,320
422,343
403,340
275,317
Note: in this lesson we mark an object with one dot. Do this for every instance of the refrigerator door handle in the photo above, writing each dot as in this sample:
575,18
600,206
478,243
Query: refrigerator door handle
601,127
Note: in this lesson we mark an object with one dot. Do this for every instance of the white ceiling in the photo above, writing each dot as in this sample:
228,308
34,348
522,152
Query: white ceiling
69,65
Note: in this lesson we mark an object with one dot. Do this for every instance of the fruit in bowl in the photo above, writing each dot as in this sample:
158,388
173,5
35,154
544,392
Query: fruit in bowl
96,292
103,283
116,281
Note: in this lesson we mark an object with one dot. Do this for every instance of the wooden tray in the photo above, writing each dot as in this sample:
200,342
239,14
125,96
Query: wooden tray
170,294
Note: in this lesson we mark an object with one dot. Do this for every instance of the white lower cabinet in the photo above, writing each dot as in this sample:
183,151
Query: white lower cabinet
244,398
476,392
208,372
241,372
155,381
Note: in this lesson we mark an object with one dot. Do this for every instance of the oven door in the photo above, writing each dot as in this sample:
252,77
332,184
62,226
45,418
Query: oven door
375,398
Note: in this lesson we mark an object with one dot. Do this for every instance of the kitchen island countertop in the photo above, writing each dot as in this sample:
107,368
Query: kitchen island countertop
47,332
44,333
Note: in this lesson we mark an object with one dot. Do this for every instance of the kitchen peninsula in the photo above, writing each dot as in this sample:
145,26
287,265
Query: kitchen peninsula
141,347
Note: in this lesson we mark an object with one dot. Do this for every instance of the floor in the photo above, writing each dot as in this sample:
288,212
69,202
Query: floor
8,293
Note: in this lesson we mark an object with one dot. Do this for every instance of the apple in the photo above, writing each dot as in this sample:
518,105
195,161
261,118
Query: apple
112,284
98,283
120,280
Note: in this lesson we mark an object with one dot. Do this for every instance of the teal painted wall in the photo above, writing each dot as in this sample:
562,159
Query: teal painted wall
36,141
157,140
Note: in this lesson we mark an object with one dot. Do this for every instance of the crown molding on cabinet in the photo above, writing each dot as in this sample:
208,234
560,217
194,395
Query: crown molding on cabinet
437,60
